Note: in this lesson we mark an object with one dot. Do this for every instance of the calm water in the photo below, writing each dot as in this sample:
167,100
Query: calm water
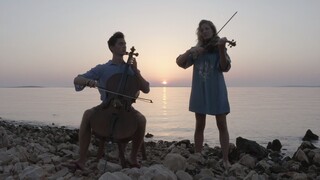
257,113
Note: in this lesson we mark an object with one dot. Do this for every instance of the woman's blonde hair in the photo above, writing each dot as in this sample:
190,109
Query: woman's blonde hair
215,37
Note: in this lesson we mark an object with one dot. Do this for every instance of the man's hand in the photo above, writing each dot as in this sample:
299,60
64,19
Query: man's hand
92,83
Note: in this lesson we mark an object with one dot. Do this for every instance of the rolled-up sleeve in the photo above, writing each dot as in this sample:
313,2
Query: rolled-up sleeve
91,74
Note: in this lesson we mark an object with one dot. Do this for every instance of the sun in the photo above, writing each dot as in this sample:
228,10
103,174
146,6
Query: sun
164,82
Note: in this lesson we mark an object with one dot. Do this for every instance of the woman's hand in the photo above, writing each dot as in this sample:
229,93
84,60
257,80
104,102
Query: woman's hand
196,51
222,42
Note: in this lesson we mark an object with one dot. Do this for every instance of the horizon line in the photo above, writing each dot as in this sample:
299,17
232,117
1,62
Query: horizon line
37,86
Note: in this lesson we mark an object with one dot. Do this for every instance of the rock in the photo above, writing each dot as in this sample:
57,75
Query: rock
205,174
109,167
316,159
300,156
306,145
148,135
4,141
32,172
185,143
39,152
252,175
196,159
175,162
263,166
238,170
59,174
248,161
275,145
251,147
309,136
114,176
158,172
182,175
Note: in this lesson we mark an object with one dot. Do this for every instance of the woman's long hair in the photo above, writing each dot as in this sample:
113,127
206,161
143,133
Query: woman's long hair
210,45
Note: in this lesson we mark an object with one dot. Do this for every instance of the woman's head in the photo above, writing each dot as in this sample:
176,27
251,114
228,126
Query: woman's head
205,31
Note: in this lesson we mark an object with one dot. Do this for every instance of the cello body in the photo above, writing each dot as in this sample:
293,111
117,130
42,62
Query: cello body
119,122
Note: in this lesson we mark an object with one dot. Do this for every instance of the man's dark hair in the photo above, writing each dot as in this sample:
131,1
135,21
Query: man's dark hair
113,39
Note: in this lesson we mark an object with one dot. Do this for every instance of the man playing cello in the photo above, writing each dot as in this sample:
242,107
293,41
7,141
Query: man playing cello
97,119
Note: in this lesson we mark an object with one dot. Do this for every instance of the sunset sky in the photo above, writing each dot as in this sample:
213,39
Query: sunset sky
48,43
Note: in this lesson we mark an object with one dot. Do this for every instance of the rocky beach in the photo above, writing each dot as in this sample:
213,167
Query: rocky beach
30,151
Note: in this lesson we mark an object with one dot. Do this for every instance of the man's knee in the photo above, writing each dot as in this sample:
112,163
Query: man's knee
87,115
142,120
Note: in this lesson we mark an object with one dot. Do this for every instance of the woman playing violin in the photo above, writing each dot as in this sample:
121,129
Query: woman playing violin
96,118
209,93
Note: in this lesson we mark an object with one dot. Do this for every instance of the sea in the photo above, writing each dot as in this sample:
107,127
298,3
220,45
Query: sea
261,114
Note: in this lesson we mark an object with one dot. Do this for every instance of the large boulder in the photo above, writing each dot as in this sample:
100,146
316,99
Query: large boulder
309,136
275,145
251,147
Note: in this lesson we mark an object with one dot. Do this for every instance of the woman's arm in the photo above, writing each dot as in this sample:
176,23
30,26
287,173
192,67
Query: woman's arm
183,58
224,59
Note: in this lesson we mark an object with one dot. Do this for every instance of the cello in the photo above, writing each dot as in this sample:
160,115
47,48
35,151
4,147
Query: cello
119,125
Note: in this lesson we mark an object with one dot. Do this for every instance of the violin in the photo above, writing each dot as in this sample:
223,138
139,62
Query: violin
231,43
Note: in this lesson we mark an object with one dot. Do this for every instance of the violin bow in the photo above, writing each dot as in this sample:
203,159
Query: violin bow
226,22
123,95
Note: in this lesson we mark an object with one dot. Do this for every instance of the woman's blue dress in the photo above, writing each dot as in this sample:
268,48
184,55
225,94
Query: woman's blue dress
209,92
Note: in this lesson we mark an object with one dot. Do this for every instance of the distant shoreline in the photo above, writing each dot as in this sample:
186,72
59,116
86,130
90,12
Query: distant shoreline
289,86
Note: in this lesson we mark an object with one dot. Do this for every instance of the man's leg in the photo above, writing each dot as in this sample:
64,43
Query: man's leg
138,137
84,137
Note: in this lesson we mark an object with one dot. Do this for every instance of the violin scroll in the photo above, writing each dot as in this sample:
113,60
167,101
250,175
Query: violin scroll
232,43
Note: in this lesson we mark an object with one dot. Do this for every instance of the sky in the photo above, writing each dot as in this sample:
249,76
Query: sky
48,43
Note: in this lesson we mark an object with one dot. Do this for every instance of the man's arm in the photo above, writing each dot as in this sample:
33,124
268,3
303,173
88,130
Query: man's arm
82,81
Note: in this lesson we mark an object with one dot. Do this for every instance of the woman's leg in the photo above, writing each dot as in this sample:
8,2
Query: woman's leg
198,134
223,136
